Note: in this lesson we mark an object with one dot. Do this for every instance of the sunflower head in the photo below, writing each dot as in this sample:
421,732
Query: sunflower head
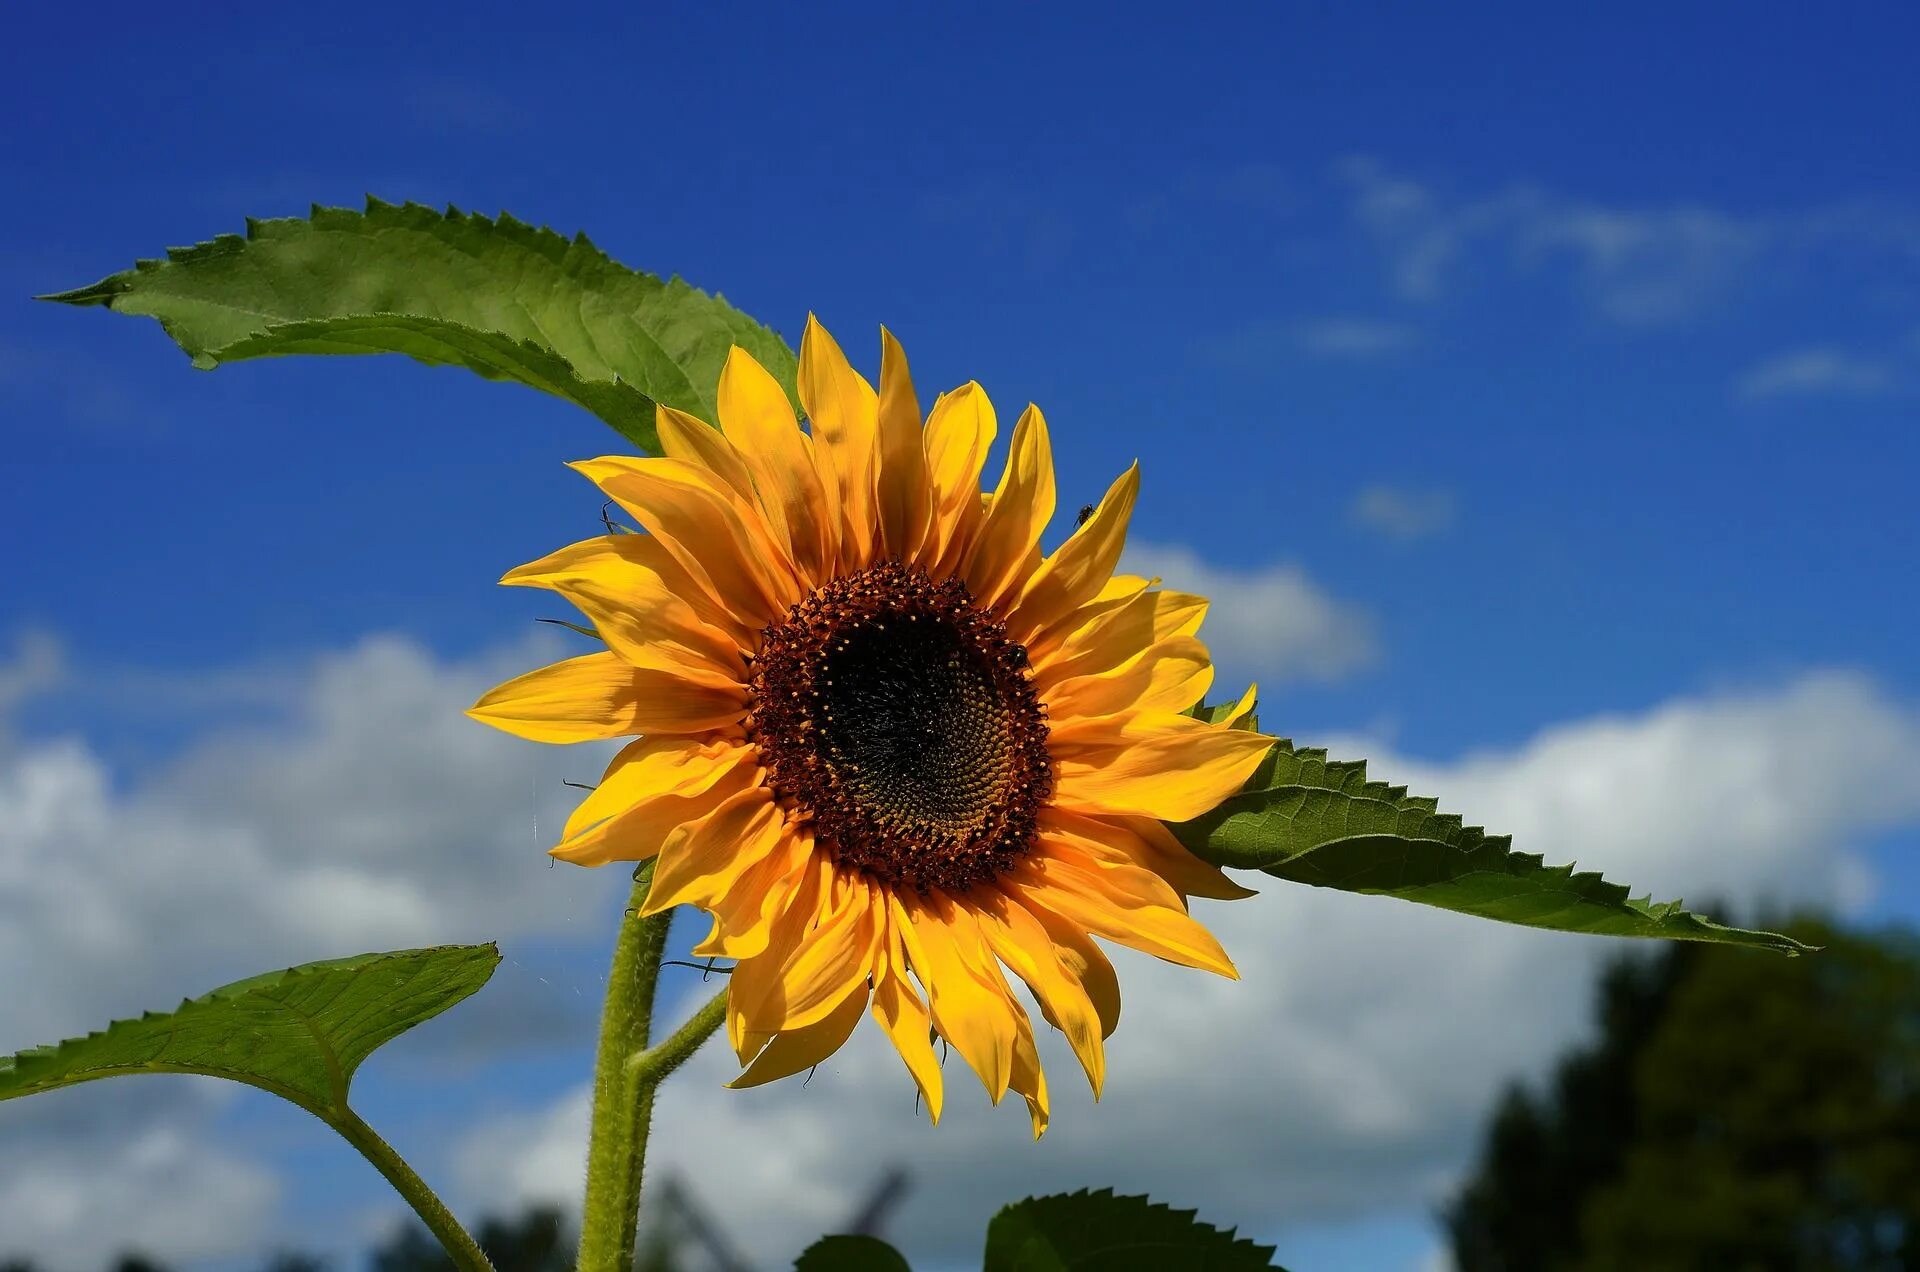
888,744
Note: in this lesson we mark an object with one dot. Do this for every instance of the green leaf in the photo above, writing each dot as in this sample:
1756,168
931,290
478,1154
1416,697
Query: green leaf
1099,1232
499,297
299,1033
1313,820
850,1254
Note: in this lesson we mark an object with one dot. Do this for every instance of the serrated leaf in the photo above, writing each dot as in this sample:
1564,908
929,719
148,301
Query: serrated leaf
299,1033
1309,819
500,297
1100,1232
848,1253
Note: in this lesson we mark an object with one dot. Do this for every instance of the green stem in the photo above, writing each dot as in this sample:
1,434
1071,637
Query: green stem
645,1072
466,1255
612,1208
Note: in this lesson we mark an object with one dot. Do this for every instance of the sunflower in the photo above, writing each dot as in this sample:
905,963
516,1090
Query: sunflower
888,745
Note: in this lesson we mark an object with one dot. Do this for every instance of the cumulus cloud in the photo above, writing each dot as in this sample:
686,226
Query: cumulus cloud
1814,372
373,815
1402,513
1274,622
105,1170
1349,1068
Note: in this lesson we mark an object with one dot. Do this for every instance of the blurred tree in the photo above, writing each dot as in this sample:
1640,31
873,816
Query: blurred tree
538,1240
1735,1112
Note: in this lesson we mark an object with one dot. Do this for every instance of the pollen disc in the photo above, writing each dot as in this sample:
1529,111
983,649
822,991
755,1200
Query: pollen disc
895,714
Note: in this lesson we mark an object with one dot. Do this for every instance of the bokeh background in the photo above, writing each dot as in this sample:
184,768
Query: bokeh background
1534,392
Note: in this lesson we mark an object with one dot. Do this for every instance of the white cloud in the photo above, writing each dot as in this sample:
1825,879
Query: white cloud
374,816
1636,265
1402,513
1814,372
1275,622
1348,1069
104,1171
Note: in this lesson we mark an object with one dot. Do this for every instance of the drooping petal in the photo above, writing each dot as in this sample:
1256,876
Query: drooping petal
901,488
1151,764
1079,568
843,411
753,979
1169,676
598,696
705,526
795,1049
1027,1077
1009,543
945,946
758,419
905,1018
1147,844
1124,904
1018,940
834,954
637,831
959,433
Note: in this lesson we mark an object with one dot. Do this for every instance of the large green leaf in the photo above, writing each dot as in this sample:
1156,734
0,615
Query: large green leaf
1313,820
299,1033
499,297
1099,1232
850,1254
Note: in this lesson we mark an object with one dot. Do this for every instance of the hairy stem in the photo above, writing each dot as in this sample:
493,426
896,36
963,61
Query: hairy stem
626,1074
460,1247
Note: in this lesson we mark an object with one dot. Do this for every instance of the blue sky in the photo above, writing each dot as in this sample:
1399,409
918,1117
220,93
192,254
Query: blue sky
1544,381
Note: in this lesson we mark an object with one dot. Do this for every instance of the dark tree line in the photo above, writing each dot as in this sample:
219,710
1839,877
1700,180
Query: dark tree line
1735,1112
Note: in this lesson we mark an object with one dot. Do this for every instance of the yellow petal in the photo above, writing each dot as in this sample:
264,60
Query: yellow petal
901,487
654,766
1027,1077
1151,764
830,957
600,696
1088,963
705,526
1101,636
946,949
843,411
743,919
758,419
905,1019
1023,502
690,438
795,1049
636,832
1018,940
702,859
1144,842
1079,569
753,979
1131,906
616,566
959,433
1169,676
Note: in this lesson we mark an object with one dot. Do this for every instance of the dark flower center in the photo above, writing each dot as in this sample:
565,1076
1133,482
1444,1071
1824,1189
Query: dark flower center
896,714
